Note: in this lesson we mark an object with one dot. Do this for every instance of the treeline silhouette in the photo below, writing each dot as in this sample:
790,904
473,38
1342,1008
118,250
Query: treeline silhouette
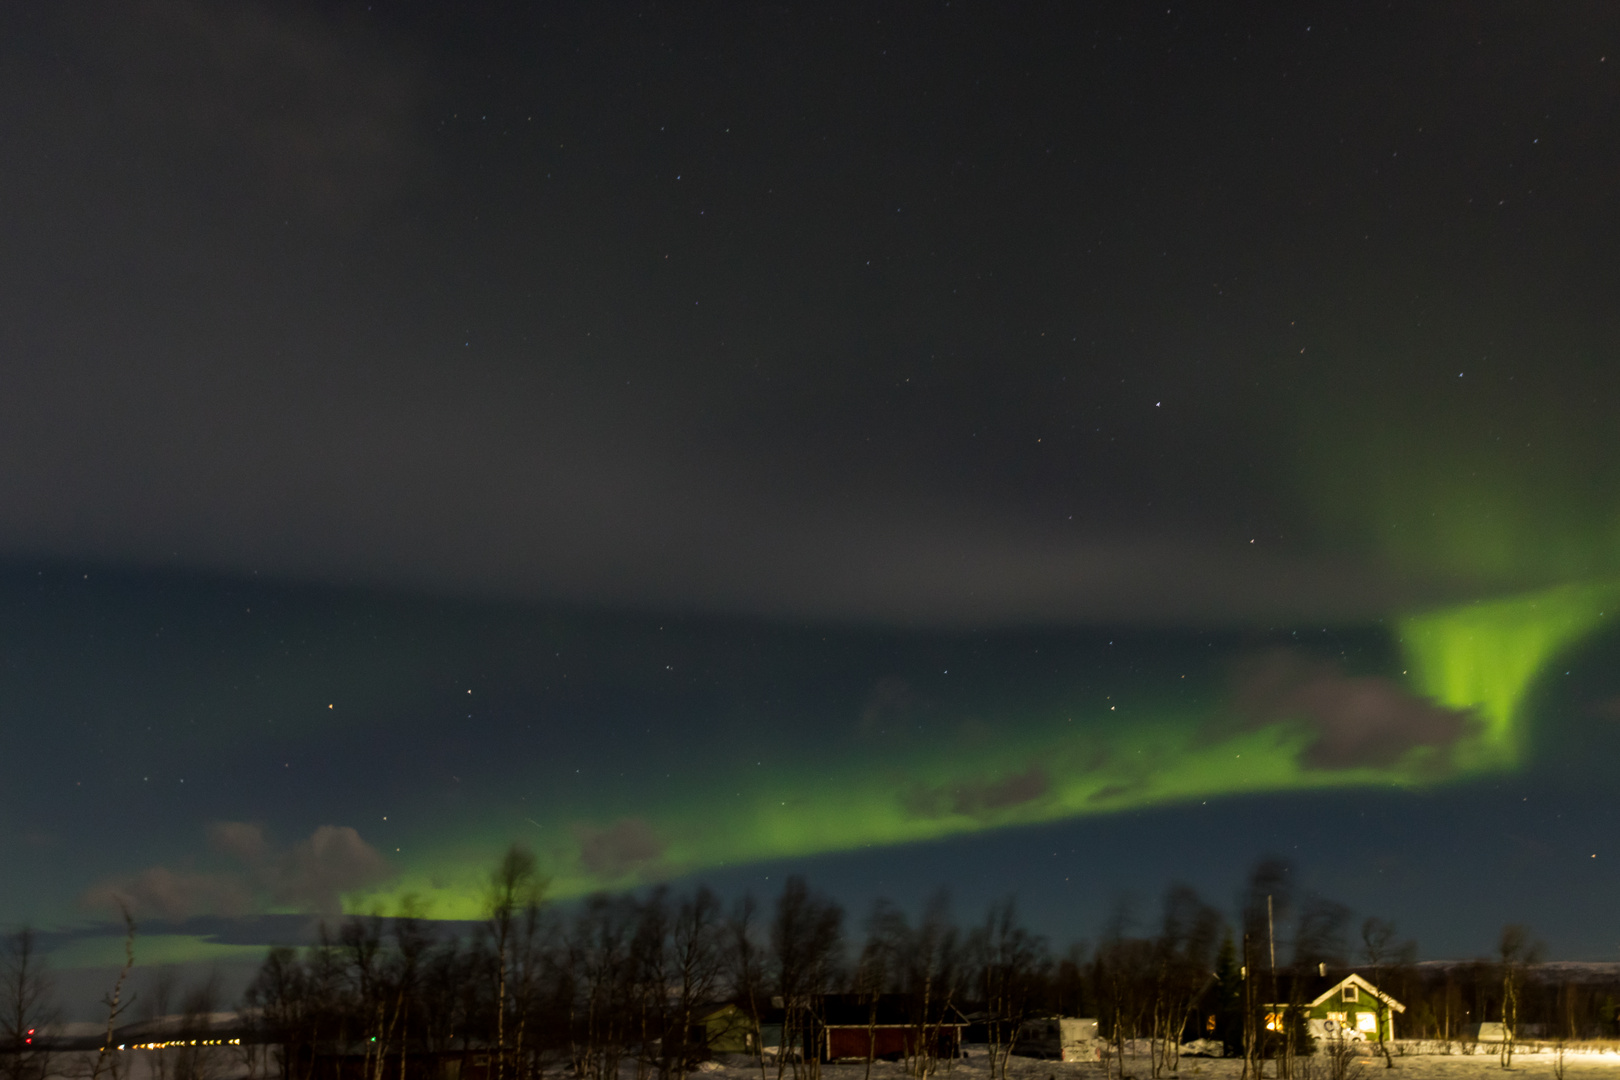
660,981
632,980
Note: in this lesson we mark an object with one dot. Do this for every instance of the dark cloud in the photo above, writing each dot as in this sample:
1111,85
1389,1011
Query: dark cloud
316,873
1353,721
515,499
307,292
627,845
1013,790
982,798
281,101
158,892
240,839
312,876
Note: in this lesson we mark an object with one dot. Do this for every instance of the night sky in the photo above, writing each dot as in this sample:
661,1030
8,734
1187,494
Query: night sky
1053,449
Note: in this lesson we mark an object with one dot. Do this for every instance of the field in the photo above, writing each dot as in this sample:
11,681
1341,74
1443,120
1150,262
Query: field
1585,1061
1579,1063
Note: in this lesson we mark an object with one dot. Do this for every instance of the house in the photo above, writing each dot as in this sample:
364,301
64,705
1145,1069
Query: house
728,1029
1335,1008
862,1026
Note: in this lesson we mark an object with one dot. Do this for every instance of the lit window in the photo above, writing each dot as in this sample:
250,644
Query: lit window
1367,1022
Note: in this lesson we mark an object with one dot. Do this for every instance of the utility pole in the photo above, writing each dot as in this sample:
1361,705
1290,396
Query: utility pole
1271,936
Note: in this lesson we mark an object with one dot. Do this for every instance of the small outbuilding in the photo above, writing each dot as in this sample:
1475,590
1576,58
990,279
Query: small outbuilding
872,1026
1066,1038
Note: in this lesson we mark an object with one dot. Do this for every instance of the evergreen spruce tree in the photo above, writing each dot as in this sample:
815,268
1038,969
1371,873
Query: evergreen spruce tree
1226,1001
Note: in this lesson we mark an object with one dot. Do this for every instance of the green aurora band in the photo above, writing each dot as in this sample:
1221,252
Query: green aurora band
1482,658
1439,494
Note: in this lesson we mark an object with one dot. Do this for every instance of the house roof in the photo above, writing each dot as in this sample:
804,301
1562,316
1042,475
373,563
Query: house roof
886,1010
1313,990
766,1012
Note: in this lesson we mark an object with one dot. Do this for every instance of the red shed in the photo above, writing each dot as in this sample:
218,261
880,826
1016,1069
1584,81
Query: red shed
862,1026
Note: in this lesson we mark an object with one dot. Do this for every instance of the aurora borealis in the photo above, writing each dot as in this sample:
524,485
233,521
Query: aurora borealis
748,742
1038,449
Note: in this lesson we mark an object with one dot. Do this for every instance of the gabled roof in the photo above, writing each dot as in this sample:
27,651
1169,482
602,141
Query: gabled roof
767,1013
1357,981
1314,990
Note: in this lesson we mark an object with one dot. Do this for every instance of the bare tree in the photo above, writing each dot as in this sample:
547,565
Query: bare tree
514,888
746,966
327,984
1184,956
697,965
159,996
1343,1061
1566,1026
933,973
1266,901
198,1059
1011,962
1380,949
413,940
598,969
1515,952
107,1061
445,1016
1070,990
878,966
25,1008
292,1006
806,937
1120,974
1319,941
361,941
650,981
537,950
279,994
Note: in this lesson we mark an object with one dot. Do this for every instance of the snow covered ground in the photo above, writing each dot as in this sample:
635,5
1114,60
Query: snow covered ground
1580,1063
1589,1061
